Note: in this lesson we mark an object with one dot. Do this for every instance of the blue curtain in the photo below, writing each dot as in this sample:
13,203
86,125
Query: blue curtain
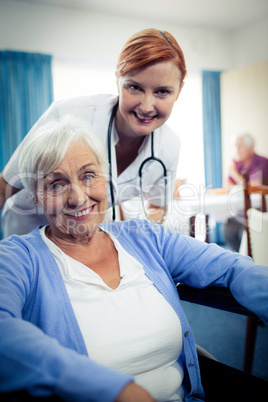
212,137
212,128
26,91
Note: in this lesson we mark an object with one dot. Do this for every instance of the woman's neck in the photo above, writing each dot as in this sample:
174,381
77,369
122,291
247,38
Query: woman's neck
68,241
128,145
98,253
126,153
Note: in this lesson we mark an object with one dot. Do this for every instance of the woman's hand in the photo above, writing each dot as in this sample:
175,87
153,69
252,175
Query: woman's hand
134,393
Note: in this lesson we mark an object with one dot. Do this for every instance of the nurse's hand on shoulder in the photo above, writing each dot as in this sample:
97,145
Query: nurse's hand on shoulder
134,393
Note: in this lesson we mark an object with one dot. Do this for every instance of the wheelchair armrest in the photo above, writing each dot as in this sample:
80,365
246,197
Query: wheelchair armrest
215,297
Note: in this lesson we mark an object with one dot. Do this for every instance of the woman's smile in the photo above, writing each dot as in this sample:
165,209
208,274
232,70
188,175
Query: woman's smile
144,119
81,215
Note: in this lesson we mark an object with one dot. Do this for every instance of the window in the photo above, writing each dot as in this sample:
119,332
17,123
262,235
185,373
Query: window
186,121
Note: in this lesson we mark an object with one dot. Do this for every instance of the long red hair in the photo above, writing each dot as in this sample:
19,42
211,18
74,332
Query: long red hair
150,46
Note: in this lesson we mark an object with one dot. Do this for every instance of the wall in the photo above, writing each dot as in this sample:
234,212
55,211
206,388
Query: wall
244,102
244,90
88,37
250,44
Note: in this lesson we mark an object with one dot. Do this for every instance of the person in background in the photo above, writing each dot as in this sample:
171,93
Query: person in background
90,311
150,76
247,161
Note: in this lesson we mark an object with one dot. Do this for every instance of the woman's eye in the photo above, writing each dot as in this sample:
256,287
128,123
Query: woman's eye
163,92
88,177
135,88
56,186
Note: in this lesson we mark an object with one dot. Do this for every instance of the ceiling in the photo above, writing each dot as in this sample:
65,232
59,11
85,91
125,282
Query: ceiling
225,15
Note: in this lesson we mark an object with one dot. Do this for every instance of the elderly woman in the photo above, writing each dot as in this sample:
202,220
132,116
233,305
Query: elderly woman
89,312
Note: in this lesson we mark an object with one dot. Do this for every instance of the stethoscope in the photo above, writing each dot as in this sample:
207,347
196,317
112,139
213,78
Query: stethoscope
151,158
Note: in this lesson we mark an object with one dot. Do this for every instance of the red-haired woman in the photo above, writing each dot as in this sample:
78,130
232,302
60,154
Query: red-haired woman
150,75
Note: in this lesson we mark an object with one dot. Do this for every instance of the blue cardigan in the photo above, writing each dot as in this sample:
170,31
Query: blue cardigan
41,346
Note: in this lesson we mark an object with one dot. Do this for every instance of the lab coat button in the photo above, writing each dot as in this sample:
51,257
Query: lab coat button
186,334
191,364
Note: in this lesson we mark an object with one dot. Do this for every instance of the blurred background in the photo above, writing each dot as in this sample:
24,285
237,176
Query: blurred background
53,49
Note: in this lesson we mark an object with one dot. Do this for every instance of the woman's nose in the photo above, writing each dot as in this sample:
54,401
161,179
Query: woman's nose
76,195
147,104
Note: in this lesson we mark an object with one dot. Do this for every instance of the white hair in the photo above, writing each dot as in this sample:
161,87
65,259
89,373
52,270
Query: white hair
46,147
248,139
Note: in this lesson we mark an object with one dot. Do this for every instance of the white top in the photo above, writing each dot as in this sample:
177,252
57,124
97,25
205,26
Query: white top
132,328
21,215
